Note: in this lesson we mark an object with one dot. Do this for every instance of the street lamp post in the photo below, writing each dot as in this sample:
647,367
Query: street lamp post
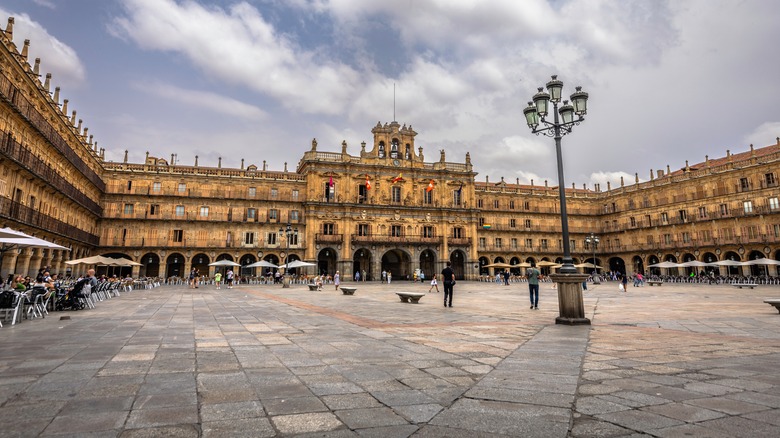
593,240
287,232
570,282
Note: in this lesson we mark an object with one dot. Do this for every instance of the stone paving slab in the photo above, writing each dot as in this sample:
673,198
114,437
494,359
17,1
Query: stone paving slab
682,360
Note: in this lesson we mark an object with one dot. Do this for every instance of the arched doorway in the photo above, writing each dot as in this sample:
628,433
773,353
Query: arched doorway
398,263
709,257
428,263
638,264
514,261
151,265
361,262
292,258
482,269
690,271
174,266
653,260
247,259
201,262
734,257
616,264
326,262
458,264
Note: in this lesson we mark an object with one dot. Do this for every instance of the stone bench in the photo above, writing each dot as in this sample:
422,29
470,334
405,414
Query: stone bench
654,282
348,290
410,297
774,302
741,285
312,286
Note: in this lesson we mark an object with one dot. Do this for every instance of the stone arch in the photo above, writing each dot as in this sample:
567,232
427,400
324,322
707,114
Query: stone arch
362,261
174,265
398,262
326,261
458,264
617,264
247,259
482,262
428,263
151,265
200,261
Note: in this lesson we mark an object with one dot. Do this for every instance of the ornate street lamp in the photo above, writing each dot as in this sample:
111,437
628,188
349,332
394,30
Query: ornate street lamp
287,232
570,282
593,240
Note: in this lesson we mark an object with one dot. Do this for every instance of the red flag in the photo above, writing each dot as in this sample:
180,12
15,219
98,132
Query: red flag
398,178
430,186
368,183
330,183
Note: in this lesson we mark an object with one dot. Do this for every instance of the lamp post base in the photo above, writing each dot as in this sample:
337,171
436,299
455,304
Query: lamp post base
570,304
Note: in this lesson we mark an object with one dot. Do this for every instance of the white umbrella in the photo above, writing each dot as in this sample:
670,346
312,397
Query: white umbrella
9,233
31,241
224,263
94,260
588,265
297,264
261,264
664,265
726,263
694,264
763,262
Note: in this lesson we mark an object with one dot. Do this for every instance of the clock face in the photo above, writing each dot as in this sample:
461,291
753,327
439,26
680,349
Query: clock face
396,163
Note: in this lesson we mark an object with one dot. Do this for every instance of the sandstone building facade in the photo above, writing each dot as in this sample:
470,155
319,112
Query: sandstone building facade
384,209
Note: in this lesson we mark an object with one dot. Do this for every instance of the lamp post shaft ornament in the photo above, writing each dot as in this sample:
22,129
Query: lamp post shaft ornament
569,281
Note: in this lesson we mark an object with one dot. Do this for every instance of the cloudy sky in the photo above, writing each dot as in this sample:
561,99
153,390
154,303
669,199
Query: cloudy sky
669,81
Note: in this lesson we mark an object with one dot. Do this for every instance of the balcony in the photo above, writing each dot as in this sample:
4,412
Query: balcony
328,238
459,241
384,238
28,216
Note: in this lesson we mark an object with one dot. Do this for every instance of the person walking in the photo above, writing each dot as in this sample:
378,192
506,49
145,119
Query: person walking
337,280
624,281
533,285
357,276
448,276
218,280
434,283
389,277
364,275
229,279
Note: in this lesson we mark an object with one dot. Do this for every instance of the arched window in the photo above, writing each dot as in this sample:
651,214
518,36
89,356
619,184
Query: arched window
394,149
381,149
408,153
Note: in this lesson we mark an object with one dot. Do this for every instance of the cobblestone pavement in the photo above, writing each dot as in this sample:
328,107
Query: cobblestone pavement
262,361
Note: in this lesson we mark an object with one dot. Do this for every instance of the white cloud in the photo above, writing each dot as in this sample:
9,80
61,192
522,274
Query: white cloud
45,3
764,135
612,178
57,58
202,99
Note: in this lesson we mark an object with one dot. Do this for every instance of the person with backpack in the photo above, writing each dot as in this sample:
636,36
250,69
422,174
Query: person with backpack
533,285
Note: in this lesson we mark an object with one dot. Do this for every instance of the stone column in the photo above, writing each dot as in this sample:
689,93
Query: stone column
9,263
23,262
570,304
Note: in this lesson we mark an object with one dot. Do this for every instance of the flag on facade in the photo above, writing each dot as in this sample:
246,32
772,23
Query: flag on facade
430,186
368,183
460,189
398,178
330,182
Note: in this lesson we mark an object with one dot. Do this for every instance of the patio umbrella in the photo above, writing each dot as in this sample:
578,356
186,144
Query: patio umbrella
499,265
726,263
94,260
522,265
297,264
6,233
261,264
545,264
664,265
224,263
31,241
769,262
126,262
694,264
588,265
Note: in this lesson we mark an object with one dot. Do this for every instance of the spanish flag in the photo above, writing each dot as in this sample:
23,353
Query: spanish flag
398,178
368,183
430,186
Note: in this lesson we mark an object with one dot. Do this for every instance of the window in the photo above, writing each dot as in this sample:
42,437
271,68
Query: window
528,223
667,238
495,203
362,194
457,233
513,243
526,205
776,230
744,184
512,223
544,243
179,210
664,218
273,214
482,242
683,215
650,239
128,208
774,203
752,232
251,213
294,216
182,187
702,212
178,236
617,243
428,231
271,238
427,197
396,194
363,230
511,205
481,221
748,206
770,180
249,238
479,203
724,210
294,195
529,243
572,245
294,239
274,193
686,237
704,235
204,211
328,229
632,219
129,186
154,209
456,197
252,192
156,187
396,231
330,190
648,221
498,242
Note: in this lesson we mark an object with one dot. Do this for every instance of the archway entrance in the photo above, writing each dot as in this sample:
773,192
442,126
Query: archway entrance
151,265
482,269
428,263
174,266
638,264
616,264
733,270
247,259
201,263
361,262
326,262
398,263
458,264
